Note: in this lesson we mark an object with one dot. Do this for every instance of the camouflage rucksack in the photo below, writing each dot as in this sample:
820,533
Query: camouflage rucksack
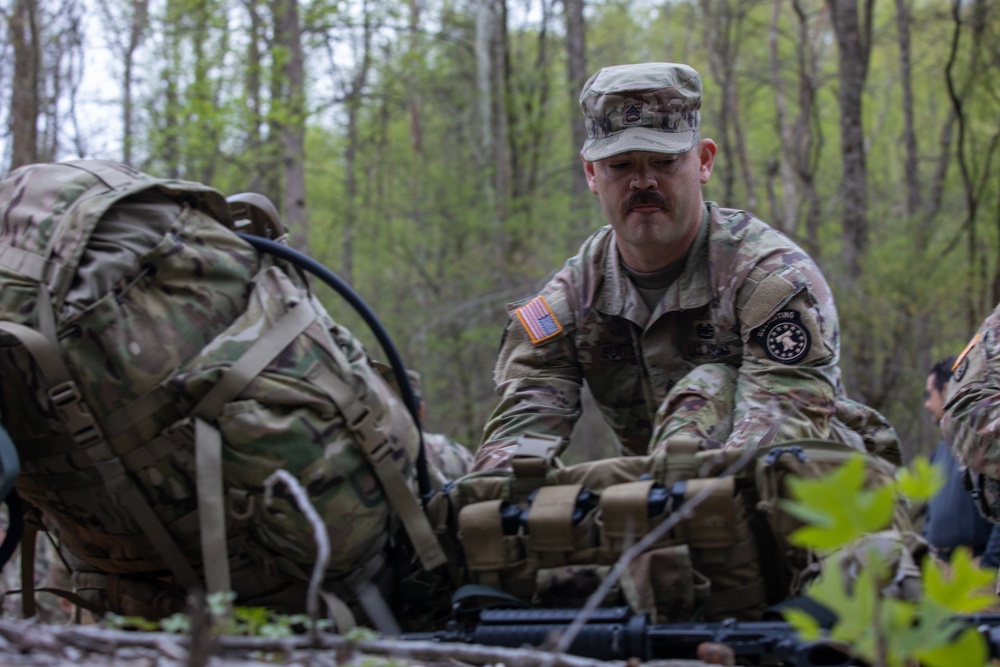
550,535
156,369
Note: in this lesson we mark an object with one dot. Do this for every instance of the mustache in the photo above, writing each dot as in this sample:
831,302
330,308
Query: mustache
644,198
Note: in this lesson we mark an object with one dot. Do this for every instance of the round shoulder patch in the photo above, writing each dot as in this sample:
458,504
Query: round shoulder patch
784,337
959,372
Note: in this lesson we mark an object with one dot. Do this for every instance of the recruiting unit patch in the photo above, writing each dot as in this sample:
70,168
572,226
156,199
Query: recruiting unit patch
785,339
538,320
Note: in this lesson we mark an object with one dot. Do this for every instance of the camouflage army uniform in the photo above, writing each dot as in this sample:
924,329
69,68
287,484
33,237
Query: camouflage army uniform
747,334
972,405
447,456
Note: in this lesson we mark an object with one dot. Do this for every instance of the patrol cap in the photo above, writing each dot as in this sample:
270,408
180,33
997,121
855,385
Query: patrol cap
644,107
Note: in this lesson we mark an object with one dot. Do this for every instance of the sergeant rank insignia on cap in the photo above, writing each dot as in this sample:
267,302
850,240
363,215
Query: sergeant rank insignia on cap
539,320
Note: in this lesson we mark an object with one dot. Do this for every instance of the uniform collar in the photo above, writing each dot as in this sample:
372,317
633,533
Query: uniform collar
620,297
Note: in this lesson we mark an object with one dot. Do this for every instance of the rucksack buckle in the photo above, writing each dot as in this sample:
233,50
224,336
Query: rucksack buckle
79,422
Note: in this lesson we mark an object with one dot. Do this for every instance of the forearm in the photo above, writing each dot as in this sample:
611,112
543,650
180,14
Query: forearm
800,399
549,407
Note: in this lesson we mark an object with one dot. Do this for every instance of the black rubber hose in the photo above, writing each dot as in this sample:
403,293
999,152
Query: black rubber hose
307,263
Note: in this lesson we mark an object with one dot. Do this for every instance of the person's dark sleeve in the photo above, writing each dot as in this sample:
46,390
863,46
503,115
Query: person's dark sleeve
991,554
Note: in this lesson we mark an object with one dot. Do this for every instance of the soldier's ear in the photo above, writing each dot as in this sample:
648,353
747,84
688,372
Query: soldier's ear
706,155
588,170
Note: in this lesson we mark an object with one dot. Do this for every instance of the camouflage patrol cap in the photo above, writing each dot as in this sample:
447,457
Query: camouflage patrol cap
645,107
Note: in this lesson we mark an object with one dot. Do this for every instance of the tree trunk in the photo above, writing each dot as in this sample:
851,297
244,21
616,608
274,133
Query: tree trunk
800,134
353,102
576,76
491,65
25,96
853,40
288,38
911,159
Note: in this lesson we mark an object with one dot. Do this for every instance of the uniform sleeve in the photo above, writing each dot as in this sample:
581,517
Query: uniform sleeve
539,388
972,409
789,369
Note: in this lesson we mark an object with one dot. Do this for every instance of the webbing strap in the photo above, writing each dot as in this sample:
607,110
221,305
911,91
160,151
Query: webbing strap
535,455
137,411
28,264
80,423
255,359
343,618
208,440
211,506
378,450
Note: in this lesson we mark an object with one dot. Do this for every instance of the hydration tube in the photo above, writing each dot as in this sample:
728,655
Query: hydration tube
307,263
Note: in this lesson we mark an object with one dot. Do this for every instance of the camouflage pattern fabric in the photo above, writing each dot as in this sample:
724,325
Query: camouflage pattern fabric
660,111
971,420
447,456
750,321
162,314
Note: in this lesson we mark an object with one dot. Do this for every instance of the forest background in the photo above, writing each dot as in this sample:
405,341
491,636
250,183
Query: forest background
428,150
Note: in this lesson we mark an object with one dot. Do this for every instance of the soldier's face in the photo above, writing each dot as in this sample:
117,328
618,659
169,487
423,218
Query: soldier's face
653,201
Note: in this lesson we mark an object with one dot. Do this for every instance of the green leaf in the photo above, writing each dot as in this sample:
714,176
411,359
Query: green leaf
832,522
804,624
176,623
855,611
964,588
921,480
968,649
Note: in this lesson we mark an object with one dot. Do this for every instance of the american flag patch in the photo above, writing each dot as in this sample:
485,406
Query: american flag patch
538,319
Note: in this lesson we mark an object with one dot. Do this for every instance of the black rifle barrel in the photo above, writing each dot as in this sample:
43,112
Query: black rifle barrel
619,634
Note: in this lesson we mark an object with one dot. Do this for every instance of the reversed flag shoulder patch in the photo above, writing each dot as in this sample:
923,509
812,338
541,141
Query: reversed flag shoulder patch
538,320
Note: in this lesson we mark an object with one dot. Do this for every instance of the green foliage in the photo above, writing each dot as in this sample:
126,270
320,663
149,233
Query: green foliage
885,631
225,620
831,522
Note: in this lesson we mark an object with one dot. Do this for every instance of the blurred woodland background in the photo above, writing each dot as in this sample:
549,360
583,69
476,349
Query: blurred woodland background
427,150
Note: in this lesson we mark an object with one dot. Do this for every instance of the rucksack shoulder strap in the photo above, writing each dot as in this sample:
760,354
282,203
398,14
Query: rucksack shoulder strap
81,426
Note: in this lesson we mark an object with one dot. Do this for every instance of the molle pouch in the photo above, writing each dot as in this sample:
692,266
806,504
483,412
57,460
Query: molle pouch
663,583
490,549
809,459
724,549
570,585
560,525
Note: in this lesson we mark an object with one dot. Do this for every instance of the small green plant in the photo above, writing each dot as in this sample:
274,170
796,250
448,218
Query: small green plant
885,631
226,620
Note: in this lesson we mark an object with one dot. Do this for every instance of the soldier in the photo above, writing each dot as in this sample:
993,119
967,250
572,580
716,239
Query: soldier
972,408
683,318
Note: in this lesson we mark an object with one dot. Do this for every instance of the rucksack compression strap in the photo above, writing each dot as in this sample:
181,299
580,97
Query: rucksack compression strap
80,424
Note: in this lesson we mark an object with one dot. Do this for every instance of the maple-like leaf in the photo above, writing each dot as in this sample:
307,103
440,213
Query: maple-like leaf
832,522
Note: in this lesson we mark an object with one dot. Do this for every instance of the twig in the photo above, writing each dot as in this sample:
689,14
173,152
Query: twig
319,532
95,639
597,597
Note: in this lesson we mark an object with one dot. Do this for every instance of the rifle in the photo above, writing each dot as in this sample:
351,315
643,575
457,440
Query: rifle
617,633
